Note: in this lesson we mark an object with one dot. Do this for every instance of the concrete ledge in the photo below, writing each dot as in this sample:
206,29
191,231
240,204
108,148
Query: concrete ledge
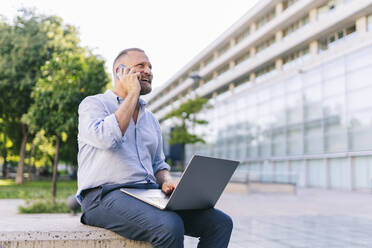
58,231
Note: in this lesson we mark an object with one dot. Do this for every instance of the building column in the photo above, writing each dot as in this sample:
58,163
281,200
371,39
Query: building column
202,64
314,47
232,42
278,8
252,77
313,15
253,27
279,64
215,55
231,87
201,83
361,25
328,173
232,64
252,52
278,36
352,165
215,74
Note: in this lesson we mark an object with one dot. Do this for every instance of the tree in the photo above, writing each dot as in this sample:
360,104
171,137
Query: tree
25,46
186,116
66,79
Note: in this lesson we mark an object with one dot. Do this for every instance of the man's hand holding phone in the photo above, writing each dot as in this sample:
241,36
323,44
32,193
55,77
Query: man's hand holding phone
128,80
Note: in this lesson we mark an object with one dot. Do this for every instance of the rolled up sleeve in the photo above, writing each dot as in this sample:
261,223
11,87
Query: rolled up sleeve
97,127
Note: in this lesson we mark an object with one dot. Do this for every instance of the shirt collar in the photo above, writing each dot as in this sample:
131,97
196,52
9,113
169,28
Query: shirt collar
119,99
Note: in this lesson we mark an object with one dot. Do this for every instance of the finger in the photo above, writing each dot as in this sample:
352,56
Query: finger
126,70
138,74
132,70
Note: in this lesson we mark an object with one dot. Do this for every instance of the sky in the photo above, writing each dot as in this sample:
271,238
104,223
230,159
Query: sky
171,32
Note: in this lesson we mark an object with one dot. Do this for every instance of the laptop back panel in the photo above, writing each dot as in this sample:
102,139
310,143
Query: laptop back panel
202,183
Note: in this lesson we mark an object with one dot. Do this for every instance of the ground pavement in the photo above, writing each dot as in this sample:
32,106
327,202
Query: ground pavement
311,218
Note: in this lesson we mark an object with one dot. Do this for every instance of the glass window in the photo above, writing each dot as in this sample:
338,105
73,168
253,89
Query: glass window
277,89
370,23
334,86
265,44
298,169
295,141
317,173
291,29
363,172
313,94
335,38
334,68
360,99
311,77
340,173
243,58
361,130
335,134
313,138
281,171
334,106
263,95
266,18
243,34
208,60
278,143
254,171
288,3
294,108
358,59
267,172
312,102
293,84
277,111
359,78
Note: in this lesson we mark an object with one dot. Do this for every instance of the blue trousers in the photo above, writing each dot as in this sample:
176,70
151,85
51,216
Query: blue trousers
136,220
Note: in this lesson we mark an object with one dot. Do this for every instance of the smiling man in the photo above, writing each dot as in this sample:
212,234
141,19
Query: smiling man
120,145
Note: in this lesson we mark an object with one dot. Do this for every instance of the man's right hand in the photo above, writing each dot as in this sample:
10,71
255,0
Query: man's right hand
128,82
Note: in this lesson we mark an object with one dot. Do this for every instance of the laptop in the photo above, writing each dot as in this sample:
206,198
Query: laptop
200,186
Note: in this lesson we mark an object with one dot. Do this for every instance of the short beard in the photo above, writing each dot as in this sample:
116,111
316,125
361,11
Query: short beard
145,89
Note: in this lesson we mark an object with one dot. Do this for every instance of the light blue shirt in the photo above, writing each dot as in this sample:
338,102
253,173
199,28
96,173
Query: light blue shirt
106,156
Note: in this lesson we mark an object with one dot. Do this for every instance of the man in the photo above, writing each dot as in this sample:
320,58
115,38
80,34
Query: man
120,145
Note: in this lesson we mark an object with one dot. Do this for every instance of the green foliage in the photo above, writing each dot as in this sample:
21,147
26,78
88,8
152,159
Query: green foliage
66,79
28,44
38,206
186,115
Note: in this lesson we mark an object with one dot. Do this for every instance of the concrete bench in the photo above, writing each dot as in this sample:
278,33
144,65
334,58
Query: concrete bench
58,231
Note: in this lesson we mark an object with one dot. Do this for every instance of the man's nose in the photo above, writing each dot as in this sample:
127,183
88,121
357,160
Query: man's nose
147,70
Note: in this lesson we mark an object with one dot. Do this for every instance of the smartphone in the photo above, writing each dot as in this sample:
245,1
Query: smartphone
121,66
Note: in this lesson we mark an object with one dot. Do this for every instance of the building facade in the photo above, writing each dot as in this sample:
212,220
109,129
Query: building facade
291,87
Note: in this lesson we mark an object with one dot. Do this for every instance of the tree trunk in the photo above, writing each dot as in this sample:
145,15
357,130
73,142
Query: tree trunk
54,179
30,162
19,176
5,156
5,164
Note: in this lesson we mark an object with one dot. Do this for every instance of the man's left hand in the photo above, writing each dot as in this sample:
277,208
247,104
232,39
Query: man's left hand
168,187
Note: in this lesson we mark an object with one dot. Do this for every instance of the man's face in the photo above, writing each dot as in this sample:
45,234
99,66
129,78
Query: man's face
141,63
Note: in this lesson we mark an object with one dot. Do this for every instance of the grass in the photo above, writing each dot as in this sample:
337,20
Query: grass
38,195
35,189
